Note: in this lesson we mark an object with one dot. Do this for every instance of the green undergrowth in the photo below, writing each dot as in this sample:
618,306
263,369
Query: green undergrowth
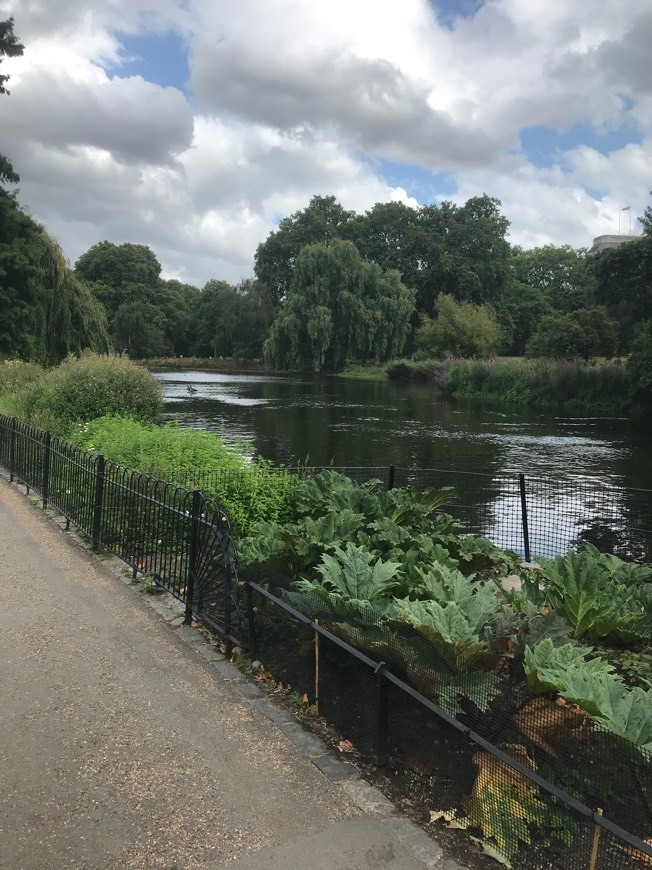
250,490
598,386
365,373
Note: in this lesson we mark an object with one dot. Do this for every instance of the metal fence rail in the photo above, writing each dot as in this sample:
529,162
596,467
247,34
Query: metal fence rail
180,539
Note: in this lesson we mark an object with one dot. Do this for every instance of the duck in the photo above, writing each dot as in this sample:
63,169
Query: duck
190,389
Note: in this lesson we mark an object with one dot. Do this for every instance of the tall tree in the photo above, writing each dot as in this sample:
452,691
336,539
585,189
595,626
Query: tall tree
323,219
338,308
459,328
9,47
126,280
624,284
560,273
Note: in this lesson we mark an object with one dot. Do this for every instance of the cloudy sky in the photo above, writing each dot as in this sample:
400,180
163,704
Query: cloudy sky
193,126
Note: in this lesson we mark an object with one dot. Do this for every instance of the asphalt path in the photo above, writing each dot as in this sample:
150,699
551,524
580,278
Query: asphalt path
121,747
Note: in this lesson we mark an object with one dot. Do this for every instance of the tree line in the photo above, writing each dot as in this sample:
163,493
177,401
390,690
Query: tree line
331,287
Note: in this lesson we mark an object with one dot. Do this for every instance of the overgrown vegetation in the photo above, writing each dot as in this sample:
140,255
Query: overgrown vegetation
250,490
390,573
79,390
604,386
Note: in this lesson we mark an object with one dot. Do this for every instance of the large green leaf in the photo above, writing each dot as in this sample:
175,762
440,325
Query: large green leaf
448,628
590,683
353,573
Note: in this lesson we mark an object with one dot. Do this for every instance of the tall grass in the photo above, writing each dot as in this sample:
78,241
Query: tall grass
603,387
83,388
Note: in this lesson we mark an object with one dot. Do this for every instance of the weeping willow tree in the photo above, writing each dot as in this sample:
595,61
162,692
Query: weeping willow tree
46,313
71,318
338,309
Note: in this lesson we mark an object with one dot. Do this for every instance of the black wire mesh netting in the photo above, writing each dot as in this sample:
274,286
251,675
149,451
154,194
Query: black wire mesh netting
459,740
462,746
527,515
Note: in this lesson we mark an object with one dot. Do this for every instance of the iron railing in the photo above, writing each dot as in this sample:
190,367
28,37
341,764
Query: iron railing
178,538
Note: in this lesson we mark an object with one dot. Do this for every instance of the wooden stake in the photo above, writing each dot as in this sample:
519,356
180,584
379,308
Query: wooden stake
596,842
316,670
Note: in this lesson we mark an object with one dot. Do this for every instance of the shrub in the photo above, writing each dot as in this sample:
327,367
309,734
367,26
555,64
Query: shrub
15,376
84,388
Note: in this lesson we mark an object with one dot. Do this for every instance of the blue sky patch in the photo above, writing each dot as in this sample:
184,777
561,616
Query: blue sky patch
425,186
544,146
449,12
160,58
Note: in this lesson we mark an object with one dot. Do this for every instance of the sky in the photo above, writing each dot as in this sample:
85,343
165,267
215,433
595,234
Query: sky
194,126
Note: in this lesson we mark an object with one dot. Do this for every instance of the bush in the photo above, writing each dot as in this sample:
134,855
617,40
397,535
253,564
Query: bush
249,490
15,376
82,389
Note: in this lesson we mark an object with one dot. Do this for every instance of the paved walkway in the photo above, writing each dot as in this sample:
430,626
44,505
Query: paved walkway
121,747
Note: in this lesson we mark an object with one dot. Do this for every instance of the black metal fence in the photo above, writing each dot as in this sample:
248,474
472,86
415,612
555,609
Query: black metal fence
178,538
530,515
541,785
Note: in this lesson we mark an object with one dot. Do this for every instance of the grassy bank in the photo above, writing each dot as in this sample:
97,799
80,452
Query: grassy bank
603,387
365,373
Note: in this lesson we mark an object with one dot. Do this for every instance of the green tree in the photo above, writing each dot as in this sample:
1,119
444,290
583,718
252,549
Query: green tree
459,329
126,280
323,219
640,368
519,310
338,308
9,47
462,252
624,284
583,333
561,274
646,220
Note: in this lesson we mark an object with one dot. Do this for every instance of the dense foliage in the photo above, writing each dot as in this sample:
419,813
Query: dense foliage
338,308
81,389
250,490
389,573
147,315
459,329
602,386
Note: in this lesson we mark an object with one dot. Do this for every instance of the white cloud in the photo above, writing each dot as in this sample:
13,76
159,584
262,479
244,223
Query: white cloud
294,98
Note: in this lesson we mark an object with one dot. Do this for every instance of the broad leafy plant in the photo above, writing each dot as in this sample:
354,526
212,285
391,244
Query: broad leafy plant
600,596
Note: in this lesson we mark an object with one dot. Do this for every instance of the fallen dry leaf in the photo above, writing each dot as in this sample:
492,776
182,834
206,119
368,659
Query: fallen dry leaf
446,815
305,699
345,746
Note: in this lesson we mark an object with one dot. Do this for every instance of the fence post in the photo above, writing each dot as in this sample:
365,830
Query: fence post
195,514
12,449
99,501
253,649
228,592
382,713
45,489
391,477
526,531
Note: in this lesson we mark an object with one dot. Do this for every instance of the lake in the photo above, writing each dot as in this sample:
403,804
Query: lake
326,420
